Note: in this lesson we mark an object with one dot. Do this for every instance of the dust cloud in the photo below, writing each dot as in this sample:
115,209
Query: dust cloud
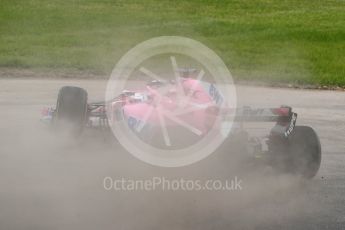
57,183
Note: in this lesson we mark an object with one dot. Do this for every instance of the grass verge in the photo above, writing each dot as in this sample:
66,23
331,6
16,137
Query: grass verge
289,42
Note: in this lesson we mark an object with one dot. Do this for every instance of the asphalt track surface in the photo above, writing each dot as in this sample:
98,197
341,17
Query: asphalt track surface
58,184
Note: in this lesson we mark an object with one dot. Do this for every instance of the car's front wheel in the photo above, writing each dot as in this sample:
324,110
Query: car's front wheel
71,110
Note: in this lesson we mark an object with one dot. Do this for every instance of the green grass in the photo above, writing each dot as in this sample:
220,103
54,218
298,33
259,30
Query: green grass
285,41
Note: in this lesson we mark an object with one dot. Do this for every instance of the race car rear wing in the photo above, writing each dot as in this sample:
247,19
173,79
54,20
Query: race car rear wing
284,117
248,114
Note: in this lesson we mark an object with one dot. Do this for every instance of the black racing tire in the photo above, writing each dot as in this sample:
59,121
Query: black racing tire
299,154
70,116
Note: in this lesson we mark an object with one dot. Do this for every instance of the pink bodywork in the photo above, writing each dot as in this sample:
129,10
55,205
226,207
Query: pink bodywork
193,109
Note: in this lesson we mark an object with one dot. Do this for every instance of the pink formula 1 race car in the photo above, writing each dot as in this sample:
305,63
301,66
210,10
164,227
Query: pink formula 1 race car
156,115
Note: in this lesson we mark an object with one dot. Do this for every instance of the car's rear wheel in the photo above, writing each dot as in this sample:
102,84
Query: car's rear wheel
299,154
71,110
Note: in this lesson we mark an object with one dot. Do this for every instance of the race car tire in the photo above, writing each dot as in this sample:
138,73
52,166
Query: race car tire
71,110
300,153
